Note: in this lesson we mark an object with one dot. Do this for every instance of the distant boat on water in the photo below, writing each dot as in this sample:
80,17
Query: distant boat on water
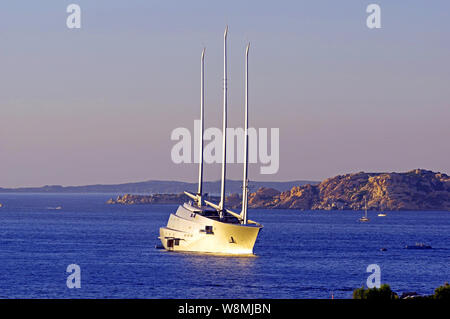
1,205
55,208
418,246
364,218
382,214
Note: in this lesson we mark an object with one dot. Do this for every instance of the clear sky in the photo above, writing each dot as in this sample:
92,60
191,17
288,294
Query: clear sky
98,104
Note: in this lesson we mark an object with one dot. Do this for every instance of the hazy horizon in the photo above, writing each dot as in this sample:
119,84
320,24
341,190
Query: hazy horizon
97,105
209,181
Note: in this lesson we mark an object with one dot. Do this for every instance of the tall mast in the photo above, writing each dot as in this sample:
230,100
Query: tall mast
224,127
245,178
365,206
202,100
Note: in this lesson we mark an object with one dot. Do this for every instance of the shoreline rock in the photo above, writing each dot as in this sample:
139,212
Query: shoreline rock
413,190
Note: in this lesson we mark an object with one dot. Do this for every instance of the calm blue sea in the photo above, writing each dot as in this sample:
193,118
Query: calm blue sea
311,254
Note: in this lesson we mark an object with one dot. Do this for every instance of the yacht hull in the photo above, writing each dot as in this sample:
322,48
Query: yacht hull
189,230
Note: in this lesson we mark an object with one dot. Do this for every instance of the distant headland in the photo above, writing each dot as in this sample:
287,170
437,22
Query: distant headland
414,190
155,187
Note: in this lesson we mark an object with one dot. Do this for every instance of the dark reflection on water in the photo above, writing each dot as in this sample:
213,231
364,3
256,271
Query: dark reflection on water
299,254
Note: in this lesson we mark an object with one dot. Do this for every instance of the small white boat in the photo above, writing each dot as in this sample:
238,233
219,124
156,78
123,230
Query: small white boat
55,208
382,214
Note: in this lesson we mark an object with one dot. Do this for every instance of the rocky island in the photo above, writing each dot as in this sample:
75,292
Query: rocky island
414,190
129,199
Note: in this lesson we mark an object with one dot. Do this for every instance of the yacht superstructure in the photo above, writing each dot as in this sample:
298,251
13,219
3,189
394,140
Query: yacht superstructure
205,227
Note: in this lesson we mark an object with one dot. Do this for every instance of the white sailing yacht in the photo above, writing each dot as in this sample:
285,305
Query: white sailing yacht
364,218
205,227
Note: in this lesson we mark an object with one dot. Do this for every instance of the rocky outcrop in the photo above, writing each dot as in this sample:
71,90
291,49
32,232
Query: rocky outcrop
262,197
414,190
129,199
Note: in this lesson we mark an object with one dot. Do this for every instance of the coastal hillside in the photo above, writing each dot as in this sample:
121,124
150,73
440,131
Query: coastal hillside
414,190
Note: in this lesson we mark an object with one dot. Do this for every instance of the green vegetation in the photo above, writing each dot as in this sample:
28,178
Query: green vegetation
382,293
442,292
385,293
